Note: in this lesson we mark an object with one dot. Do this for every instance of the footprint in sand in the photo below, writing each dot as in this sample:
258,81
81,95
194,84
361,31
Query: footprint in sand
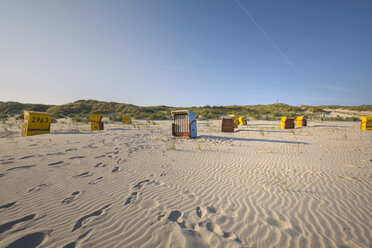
32,240
95,181
215,228
84,174
85,219
77,157
56,163
101,156
7,205
212,226
140,184
121,161
100,164
75,244
39,187
71,198
21,167
198,212
131,198
348,178
25,157
292,230
134,195
174,216
8,162
160,216
116,169
71,149
211,210
7,226
91,146
55,154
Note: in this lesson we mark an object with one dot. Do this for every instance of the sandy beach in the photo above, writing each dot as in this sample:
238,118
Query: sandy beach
137,186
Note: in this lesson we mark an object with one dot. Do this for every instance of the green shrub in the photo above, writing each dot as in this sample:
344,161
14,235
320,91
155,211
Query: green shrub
84,118
20,117
53,120
4,116
115,117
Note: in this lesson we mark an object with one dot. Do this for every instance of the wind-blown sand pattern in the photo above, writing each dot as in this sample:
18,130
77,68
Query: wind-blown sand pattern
123,187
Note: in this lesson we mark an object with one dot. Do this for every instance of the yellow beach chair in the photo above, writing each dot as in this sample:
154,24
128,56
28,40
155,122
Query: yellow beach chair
242,121
301,121
96,122
35,123
366,123
127,119
287,123
236,120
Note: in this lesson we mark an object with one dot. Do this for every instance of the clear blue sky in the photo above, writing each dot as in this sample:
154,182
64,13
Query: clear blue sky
187,53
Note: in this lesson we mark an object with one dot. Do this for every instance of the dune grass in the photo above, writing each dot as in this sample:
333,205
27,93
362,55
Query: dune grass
80,108
172,145
262,132
282,183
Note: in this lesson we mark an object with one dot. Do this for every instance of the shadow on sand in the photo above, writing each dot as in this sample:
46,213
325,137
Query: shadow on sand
328,126
250,130
73,132
260,140
260,124
120,129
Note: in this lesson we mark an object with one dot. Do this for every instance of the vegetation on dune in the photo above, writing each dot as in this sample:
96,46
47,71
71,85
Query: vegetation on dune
352,108
80,110
14,108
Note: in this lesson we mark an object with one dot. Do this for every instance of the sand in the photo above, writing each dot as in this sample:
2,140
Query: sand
137,186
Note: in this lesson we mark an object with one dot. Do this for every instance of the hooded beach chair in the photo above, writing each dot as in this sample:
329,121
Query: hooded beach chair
242,121
184,124
236,120
287,123
366,123
127,119
301,121
35,123
227,124
96,122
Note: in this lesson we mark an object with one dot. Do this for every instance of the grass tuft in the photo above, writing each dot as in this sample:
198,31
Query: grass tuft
198,145
262,132
282,183
172,145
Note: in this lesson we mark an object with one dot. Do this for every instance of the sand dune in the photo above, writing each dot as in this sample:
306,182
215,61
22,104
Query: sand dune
123,187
